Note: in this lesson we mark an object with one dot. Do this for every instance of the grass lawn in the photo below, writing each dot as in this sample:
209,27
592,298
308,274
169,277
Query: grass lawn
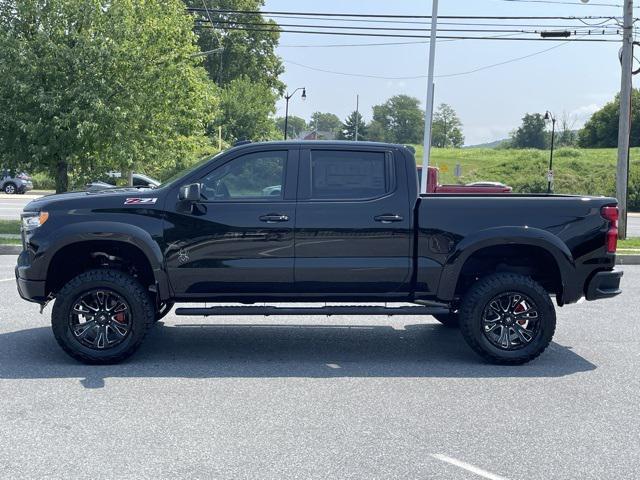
10,226
629,243
10,241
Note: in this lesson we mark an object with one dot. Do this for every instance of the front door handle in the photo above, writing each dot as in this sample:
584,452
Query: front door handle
388,218
274,218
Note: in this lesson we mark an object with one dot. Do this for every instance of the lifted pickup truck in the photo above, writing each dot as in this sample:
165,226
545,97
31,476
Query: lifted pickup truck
347,226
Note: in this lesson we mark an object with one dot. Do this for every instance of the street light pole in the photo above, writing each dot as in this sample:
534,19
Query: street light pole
288,97
428,114
624,127
548,116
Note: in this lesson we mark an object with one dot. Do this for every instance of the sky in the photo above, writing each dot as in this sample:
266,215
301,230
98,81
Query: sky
573,79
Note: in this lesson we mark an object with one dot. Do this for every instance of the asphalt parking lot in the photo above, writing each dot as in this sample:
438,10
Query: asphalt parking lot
322,398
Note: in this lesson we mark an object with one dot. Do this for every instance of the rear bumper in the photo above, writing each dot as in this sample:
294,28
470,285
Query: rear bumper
604,285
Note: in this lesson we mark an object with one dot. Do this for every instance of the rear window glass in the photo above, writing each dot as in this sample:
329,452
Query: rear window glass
349,175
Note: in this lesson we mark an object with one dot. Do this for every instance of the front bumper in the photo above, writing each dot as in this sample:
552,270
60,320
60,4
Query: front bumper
30,289
604,285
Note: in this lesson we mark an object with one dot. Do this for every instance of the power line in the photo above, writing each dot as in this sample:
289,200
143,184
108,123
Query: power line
408,22
416,77
561,2
386,35
363,15
402,29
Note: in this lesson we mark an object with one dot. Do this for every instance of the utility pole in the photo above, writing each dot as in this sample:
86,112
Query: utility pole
428,114
624,127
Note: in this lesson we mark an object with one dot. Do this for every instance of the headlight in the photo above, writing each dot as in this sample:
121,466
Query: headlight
31,221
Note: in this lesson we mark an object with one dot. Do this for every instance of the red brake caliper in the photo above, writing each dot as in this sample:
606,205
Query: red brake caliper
119,317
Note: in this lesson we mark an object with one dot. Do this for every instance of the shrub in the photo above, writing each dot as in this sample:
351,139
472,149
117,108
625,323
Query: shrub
568,152
42,181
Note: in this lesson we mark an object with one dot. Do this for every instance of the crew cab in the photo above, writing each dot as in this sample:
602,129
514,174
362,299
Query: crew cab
346,227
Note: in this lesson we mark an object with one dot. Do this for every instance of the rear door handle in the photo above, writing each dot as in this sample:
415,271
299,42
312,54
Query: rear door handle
274,218
388,218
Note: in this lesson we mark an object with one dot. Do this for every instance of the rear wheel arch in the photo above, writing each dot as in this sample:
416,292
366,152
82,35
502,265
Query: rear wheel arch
547,263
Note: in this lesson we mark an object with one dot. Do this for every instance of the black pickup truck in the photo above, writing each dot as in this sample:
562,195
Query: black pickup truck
305,222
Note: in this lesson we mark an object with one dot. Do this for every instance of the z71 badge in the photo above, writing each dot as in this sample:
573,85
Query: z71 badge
140,201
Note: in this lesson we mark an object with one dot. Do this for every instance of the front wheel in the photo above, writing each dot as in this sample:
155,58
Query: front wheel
10,189
101,316
507,319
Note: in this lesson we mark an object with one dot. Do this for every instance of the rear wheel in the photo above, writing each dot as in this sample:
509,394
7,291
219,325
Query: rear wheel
507,318
101,316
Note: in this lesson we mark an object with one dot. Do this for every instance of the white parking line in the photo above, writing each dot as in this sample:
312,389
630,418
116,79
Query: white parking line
8,280
468,467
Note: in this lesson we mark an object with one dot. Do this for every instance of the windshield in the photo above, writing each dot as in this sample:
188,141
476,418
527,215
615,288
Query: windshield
187,170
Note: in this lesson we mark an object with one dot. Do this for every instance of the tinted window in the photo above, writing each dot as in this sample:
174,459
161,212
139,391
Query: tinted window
255,176
342,175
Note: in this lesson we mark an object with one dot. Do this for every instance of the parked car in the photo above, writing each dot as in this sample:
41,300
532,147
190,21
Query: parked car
347,226
12,184
139,180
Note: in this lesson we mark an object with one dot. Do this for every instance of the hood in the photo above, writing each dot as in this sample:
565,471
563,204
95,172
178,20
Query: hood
54,199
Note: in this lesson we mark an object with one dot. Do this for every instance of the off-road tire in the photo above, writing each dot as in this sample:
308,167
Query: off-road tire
142,309
478,298
450,320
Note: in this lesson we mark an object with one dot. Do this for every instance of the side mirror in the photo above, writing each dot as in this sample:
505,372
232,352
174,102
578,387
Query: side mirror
190,193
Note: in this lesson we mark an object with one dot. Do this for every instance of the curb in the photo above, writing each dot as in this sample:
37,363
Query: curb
10,249
627,259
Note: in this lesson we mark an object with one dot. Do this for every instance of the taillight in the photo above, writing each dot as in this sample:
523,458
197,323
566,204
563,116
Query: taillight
611,214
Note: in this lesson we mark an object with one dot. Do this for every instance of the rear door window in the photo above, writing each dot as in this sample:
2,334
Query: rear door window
352,175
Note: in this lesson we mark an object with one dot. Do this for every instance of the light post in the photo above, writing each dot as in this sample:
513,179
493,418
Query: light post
288,97
548,115
428,114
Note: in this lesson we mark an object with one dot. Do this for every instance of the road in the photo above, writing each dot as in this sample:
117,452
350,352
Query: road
12,205
309,398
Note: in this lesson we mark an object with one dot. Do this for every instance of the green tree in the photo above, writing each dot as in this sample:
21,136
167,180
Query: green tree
377,132
531,134
446,128
88,86
325,122
348,131
246,109
601,130
295,126
402,119
247,42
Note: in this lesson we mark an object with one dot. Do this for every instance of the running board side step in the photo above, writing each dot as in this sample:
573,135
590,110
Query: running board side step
329,310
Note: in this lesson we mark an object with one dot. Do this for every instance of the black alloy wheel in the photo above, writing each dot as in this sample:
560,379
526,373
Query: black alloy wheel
510,321
100,319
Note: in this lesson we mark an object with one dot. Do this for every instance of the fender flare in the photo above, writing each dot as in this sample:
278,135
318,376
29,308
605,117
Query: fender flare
498,236
109,231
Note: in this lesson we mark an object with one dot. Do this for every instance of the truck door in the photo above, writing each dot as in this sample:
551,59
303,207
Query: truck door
238,239
354,222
